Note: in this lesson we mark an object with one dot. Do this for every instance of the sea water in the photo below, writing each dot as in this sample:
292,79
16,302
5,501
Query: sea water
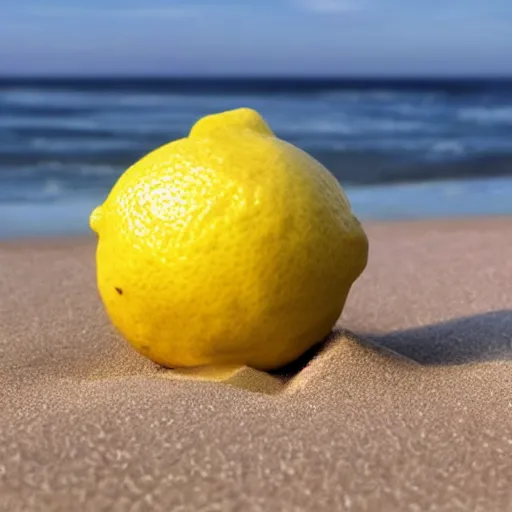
402,149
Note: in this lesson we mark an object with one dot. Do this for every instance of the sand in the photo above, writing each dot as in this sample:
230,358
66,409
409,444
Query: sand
408,406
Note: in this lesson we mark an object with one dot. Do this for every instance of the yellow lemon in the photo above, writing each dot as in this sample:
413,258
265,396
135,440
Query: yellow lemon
227,247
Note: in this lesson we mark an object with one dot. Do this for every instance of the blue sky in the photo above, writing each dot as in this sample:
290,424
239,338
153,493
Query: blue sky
229,37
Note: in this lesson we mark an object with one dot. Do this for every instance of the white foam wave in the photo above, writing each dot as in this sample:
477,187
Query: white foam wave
62,169
359,96
98,170
98,99
48,145
33,98
48,122
448,147
52,188
353,126
393,126
316,126
495,115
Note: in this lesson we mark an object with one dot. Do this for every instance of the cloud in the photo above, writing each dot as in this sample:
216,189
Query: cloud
330,6
173,12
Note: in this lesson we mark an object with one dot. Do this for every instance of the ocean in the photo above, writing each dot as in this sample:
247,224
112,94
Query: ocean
402,149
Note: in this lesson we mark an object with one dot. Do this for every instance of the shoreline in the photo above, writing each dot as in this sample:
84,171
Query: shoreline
431,201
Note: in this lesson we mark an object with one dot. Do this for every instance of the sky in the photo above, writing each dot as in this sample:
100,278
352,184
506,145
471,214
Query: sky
256,37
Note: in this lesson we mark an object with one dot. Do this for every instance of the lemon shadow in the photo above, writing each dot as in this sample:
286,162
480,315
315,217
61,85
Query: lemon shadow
472,339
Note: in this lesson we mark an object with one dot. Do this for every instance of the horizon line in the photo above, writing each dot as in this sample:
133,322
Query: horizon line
256,77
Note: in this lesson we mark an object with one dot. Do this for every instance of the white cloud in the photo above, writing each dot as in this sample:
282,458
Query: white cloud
330,6
136,12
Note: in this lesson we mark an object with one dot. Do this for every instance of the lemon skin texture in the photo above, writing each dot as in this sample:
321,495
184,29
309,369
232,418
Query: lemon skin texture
227,247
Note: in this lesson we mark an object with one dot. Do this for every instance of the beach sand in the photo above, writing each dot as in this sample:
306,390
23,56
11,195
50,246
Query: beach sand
408,405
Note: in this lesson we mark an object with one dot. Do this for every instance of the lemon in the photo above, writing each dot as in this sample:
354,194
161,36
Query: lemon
227,247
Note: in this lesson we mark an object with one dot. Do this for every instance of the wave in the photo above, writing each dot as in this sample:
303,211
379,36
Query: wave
69,123
393,126
450,147
26,103
372,168
55,179
489,115
53,188
57,102
82,134
15,159
56,168
46,145
351,126
79,100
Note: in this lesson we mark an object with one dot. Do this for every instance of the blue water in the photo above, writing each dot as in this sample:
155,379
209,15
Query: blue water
402,149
